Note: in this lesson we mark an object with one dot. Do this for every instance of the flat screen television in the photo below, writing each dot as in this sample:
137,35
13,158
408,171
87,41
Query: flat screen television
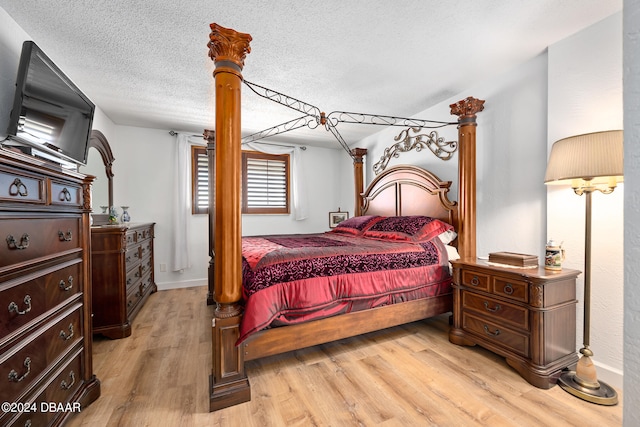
50,114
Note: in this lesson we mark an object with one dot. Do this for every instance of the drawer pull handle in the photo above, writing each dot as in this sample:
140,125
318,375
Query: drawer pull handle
63,286
508,289
14,307
64,385
475,281
66,337
13,244
65,237
65,195
495,333
494,309
13,375
17,188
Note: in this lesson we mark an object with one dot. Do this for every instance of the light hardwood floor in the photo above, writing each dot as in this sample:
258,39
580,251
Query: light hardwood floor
405,376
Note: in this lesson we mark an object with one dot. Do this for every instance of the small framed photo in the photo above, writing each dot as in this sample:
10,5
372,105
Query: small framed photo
336,218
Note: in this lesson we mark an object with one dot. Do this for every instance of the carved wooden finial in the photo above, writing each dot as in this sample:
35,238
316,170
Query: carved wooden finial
209,135
358,154
228,45
467,108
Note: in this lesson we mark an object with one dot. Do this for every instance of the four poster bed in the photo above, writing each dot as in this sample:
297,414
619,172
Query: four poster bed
385,267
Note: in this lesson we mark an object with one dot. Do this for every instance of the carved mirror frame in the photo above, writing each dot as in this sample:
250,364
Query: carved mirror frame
100,143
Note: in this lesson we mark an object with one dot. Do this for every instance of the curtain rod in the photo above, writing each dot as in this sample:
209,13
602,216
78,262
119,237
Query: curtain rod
302,147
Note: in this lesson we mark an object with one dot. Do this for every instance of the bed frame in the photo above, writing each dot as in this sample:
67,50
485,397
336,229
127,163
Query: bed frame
401,190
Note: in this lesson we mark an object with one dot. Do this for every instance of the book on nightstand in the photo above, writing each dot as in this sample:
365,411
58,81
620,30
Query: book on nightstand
513,258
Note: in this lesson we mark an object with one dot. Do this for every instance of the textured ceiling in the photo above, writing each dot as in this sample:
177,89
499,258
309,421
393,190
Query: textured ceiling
145,63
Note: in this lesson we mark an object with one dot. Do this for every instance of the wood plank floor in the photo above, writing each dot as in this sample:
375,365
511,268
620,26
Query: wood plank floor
405,376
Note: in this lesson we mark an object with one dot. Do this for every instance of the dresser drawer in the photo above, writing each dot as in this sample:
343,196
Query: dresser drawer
59,390
28,239
22,365
475,280
17,187
501,311
146,285
66,382
132,257
496,333
29,297
64,333
134,295
65,194
515,290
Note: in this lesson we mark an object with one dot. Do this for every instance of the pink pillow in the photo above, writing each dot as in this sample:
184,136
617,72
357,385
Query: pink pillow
356,225
407,228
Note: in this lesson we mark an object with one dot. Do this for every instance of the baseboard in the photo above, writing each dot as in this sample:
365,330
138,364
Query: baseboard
611,376
163,286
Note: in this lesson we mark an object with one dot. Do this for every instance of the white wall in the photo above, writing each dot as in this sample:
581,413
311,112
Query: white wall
511,157
631,48
585,95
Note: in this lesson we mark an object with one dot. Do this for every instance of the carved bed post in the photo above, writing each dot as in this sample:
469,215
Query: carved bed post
358,154
466,111
210,137
229,383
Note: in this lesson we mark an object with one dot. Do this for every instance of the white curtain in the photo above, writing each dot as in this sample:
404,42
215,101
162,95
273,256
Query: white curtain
182,202
298,185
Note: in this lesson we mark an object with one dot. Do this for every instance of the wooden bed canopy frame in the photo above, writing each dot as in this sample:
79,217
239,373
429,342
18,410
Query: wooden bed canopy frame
229,384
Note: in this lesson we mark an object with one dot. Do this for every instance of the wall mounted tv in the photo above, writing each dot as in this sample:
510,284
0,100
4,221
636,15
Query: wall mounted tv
50,114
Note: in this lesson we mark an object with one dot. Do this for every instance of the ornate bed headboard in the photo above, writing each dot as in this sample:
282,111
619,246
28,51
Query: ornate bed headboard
410,190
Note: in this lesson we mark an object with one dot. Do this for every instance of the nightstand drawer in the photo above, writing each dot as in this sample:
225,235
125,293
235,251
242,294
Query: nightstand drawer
509,288
496,333
475,280
501,311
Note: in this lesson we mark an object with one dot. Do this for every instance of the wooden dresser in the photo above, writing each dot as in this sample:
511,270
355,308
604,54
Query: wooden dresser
122,275
45,290
526,315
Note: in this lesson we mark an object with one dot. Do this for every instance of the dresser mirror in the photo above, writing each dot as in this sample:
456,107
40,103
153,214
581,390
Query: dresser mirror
99,164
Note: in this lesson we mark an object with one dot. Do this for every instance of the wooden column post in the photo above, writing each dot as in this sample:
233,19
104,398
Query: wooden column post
466,111
229,383
358,154
210,137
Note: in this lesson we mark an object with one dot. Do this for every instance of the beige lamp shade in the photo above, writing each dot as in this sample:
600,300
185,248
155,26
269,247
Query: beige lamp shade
595,157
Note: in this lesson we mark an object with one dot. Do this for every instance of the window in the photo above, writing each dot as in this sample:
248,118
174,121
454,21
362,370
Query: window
265,183
199,180
264,176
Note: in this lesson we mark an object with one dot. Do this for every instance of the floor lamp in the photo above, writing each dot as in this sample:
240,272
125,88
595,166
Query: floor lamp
589,162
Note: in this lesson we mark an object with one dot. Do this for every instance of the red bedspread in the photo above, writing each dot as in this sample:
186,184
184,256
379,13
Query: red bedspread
296,278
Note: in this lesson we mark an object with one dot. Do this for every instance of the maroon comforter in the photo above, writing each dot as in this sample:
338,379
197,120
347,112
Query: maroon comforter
296,278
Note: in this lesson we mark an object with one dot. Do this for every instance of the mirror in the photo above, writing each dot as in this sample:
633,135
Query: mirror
99,164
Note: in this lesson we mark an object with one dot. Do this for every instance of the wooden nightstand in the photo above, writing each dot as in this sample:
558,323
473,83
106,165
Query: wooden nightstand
526,315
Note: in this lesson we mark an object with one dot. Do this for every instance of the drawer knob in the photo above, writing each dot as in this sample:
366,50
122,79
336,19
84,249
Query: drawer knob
63,286
494,309
65,237
475,281
13,244
13,375
63,383
65,195
508,289
66,337
17,188
494,333
14,307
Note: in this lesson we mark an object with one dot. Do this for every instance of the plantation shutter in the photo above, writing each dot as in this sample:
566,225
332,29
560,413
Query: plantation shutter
200,180
265,183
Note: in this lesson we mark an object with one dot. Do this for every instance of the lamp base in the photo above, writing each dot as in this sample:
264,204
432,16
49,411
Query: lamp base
602,393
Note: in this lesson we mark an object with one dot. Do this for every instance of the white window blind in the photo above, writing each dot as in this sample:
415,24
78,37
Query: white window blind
200,180
266,183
